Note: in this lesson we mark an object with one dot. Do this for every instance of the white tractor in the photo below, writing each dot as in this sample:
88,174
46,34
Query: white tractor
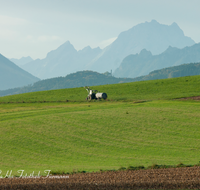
94,95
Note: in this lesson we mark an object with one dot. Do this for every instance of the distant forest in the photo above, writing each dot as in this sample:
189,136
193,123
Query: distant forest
172,72
78,79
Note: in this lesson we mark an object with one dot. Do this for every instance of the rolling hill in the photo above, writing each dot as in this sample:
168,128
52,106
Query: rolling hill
78,79
141,123
172,72
12,76
139,90
90,78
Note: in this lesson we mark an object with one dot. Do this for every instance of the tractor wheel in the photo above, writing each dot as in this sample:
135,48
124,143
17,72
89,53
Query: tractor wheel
89,97
104,96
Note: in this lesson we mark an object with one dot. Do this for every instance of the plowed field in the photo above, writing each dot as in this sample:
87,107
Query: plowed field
171,178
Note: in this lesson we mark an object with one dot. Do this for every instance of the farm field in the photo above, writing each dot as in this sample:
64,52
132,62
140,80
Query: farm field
171,178
94,136
142,123
144,90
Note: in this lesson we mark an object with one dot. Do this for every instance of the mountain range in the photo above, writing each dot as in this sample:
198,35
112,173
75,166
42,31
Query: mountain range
62,61
12,76
153,36
21,61
143,63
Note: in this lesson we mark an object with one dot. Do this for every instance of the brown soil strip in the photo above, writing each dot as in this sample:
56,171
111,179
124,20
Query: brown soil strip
171,178
191,98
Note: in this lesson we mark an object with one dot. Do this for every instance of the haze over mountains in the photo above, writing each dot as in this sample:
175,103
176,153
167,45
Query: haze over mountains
142,64
21,61
153,36
136,52
12,76
62,61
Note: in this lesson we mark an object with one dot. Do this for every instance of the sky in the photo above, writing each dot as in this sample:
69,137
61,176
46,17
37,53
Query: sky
35,27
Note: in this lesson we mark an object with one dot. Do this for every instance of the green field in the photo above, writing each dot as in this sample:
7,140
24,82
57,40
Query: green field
142,123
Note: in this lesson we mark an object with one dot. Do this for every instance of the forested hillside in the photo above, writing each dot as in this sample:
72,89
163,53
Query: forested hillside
82,78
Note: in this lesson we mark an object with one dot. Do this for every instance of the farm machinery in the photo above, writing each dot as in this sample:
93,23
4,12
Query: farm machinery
94,94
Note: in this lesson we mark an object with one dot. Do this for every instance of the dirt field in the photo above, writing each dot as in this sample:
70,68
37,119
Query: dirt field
171,178
192,98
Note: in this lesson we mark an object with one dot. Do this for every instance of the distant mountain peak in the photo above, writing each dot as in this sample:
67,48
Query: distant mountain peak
67,47
175,25
67,44
170,49
145,52
13,76
87,48
153,21
21,61
64,47
98,48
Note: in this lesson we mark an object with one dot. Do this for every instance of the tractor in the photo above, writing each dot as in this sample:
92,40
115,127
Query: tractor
94,94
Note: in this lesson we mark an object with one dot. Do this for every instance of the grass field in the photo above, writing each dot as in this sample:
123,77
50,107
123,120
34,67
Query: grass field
144,90
140,124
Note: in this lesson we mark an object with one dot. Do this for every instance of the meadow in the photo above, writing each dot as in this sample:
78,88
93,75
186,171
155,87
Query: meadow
141,123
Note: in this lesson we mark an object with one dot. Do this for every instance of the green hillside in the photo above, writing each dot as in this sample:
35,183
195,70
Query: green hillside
90,78
143,90
78,79
46,132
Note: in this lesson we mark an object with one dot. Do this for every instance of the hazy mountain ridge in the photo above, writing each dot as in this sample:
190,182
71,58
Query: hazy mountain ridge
153,36
12,76
143,63
21,61
62,61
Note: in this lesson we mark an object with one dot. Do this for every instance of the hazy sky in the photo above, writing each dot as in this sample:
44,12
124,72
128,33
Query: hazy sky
35,27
